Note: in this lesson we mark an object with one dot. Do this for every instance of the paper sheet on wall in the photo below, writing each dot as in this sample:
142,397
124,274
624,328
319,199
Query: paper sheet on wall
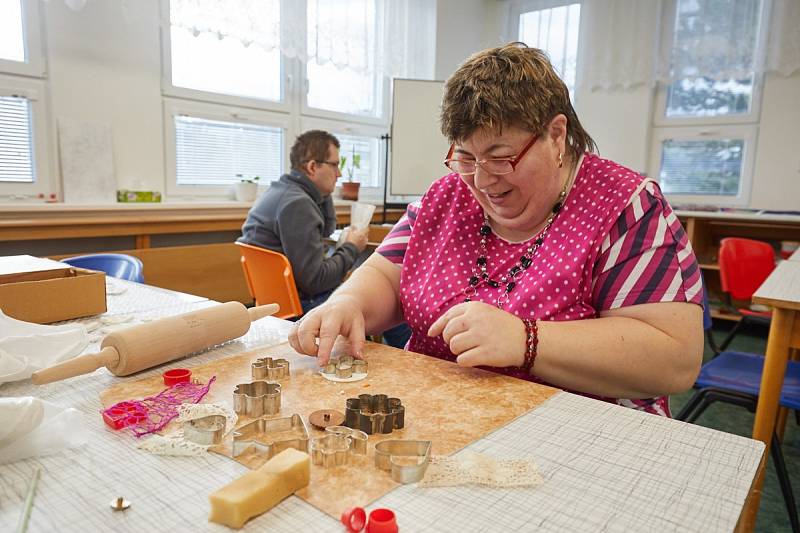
87,162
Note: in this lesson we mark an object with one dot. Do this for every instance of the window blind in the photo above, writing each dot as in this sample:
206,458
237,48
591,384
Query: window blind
210,152
16,151
707,167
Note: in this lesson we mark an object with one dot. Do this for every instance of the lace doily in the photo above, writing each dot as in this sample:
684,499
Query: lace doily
470,468
176,444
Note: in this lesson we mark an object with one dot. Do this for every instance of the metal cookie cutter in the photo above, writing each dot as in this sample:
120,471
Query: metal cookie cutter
269,369
271,436
206,430
344,367
336,446
258,398
358,439
394,455
374,413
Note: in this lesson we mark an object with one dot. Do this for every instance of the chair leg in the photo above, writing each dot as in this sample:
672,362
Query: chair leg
780,423
732,334
692,404
701,407
785,483
712,343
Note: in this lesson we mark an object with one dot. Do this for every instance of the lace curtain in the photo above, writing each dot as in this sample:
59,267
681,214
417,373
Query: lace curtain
628,43
388,37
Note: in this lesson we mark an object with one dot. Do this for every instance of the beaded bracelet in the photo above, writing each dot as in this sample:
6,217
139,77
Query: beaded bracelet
531,345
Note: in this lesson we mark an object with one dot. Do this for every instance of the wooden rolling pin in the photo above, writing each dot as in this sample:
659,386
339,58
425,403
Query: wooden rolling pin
143,346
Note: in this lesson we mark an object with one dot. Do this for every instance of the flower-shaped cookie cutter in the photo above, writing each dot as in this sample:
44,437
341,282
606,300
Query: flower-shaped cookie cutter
337,445
206,430
394,456
374,413
269,369
344,367
269,436
257,398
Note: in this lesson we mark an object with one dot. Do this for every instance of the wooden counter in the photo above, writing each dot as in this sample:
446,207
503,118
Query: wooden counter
209,269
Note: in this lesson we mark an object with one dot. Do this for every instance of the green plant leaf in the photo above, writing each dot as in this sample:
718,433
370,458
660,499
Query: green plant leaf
342,162
357,160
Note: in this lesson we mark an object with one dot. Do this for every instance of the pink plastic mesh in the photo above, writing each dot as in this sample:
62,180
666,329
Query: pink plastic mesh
160,409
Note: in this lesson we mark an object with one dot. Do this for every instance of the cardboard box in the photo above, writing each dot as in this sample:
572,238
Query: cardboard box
43,291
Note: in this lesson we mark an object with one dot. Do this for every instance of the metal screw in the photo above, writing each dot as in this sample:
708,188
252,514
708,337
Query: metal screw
120,504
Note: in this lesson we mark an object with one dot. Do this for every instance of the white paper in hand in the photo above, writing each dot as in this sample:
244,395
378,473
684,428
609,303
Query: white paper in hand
360,217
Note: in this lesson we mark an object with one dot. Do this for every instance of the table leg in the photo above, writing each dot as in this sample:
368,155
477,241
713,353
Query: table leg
778,343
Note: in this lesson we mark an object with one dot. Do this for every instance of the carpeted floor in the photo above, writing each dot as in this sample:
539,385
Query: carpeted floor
772,516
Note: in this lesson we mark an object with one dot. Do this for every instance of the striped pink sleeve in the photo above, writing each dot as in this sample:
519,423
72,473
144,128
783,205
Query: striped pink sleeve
394,245
647,257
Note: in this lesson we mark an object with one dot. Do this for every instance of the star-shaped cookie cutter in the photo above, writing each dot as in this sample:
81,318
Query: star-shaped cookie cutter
257,398
269,436
337,445
344,367
374,413
387,451
269,369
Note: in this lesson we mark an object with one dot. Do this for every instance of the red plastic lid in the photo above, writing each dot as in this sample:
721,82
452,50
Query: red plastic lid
382,521
177,375
354,518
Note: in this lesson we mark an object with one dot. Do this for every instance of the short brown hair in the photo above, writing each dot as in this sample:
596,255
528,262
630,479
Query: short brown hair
311,146
511,85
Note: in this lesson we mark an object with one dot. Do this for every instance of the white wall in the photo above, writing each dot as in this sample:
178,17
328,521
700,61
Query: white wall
104,66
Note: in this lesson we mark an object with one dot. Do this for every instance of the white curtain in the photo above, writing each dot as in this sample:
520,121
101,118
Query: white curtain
628,43
388,37
619,40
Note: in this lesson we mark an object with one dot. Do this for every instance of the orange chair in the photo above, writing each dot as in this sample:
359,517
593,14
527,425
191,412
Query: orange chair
744,264
270,279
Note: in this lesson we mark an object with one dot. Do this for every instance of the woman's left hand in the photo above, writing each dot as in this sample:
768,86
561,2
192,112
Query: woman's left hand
481,334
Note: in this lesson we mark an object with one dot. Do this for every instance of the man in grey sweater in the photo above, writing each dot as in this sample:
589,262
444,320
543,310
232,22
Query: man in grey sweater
296,213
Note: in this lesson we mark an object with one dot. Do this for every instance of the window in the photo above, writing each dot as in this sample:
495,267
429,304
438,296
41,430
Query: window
342,47
208,145
16,150
12,44
368,149
213,152
555,30
706,117
24,164
240,59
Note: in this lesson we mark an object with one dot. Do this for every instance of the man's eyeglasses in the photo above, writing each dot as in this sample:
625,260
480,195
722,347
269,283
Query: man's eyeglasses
495,165
334,164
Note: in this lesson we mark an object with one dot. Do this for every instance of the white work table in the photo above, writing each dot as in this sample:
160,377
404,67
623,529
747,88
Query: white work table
605,467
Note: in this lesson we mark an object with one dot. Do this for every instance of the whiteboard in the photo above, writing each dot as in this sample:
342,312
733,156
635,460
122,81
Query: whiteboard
417,146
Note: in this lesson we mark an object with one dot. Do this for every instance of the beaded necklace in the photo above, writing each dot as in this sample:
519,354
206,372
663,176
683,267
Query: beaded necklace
509,280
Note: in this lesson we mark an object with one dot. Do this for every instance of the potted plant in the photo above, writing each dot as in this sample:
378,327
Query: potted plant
350,187
246,189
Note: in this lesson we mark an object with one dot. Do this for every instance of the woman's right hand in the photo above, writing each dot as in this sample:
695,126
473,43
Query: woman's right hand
340,315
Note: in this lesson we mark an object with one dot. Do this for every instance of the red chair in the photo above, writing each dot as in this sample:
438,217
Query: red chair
744,264
270,279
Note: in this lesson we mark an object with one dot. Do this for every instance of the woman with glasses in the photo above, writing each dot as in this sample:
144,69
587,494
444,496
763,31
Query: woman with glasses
533,257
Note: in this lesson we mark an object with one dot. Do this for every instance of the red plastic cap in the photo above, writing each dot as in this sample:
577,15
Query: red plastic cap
382,521
354,518
177,375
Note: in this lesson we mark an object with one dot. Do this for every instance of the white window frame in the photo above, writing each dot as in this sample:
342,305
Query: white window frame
175,107
368,194
745,132
293,113
739,126
34,65
285,104
517,8
44,182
